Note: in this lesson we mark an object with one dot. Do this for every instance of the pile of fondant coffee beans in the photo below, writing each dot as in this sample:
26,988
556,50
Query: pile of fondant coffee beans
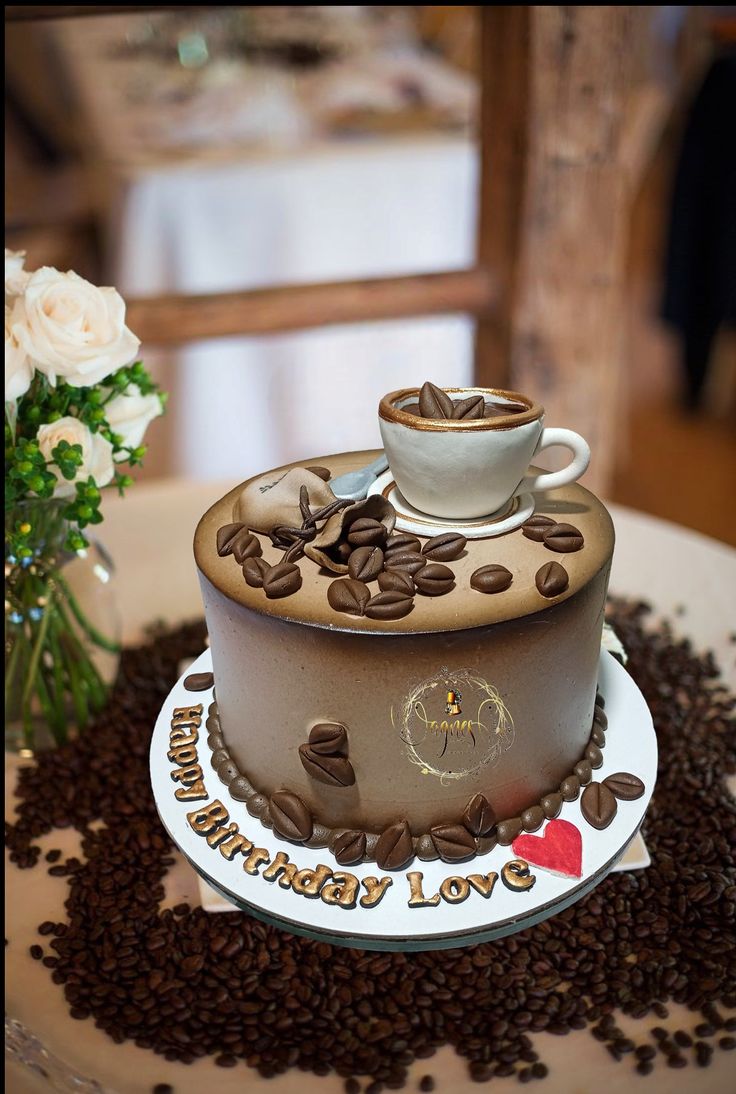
185,984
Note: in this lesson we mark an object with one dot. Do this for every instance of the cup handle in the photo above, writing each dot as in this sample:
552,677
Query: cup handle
548,480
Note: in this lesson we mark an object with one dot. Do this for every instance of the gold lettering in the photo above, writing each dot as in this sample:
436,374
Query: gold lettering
375,891
417,899
236,843
483,885
220,834
455,890
280,865
187,714
342,891
515,876
183,756
309,882
254,860
185,734
187,775
208,817
193,793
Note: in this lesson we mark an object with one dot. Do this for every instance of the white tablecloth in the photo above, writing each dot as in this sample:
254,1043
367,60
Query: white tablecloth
337,212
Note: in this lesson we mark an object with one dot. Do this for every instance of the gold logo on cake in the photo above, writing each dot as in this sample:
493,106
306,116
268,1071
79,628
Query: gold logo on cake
453,724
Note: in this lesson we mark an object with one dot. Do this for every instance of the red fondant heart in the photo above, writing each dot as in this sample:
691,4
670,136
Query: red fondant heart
559,849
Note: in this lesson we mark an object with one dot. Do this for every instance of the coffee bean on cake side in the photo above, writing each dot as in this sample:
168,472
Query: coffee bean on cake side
185,984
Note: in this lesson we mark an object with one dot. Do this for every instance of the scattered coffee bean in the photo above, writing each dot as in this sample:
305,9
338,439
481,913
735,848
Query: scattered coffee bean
163,1088
536,526
645,1067
598,805
199,681
445,548
254,572
410,561
434,402
564,538
551,579
434,579
365,563
392,604
36,952
728,1044
348,595
366,532
625,786
401,541
283,579
397,581
426,1084
492,578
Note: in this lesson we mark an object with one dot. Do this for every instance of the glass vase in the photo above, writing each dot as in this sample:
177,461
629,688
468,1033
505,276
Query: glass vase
62,631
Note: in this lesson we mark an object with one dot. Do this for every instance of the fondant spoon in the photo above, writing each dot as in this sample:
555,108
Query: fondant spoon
355,484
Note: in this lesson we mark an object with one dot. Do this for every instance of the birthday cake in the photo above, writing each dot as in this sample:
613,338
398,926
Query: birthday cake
392,694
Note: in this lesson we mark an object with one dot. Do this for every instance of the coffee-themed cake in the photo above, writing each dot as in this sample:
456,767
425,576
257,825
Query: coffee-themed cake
405,664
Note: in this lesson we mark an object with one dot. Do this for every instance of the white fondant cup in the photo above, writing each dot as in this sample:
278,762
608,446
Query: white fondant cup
465,469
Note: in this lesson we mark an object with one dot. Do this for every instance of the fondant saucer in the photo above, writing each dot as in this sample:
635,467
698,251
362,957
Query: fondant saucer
457,904
408,519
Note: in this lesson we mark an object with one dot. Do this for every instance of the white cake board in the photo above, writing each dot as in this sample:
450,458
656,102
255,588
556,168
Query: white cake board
392,924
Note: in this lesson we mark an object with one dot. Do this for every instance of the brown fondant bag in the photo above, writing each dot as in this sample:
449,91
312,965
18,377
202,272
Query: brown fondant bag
338,526
272,500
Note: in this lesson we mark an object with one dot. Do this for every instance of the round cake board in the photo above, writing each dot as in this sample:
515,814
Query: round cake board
420,908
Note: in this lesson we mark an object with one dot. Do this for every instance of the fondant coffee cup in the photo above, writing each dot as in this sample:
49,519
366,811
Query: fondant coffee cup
470,468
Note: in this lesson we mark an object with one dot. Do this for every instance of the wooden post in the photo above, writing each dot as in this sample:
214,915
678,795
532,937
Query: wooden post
560,332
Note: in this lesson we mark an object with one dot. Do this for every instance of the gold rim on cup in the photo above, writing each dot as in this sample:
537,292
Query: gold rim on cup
388,410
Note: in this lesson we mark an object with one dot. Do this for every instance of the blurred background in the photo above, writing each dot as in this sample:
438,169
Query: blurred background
203,150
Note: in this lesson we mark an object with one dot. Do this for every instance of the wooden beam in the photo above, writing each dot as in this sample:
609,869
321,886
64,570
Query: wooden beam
19,13
504,135
170,320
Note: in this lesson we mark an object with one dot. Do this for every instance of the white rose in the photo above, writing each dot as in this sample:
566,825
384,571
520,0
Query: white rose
16,278
18,369
96,453
74,330
131,413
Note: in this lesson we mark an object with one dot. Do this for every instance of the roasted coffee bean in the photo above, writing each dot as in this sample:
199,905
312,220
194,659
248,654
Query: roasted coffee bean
392,604
479,817
283,579
290,816
226,537
365,563
401,541
426,1084
434,402
349,847
434,579
328,738
454,842
536,526
254,572
551,579
563,538
321,472
445,548
348,595
366,532
329,769
396,581
492,578
261,995
409,561
598,805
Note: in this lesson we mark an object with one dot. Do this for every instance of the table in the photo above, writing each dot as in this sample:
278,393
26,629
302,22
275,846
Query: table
233,214
667,565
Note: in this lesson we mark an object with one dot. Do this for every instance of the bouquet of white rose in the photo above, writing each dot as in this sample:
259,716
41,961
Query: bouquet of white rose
77,405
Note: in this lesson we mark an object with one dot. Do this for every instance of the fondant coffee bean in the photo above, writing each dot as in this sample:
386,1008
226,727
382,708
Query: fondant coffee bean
454,842
411,561
468,409
564,538
348,595
395,847
479,817
199,681
283,579
392,604
366,532
625,786
598,805
328,738
445,548
493,578
226,537
341,552
290,816
434,402
551,579
397,580
246,545
321,473
401,541
329,769
434,579
254,571
348,847
536,526
365,563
